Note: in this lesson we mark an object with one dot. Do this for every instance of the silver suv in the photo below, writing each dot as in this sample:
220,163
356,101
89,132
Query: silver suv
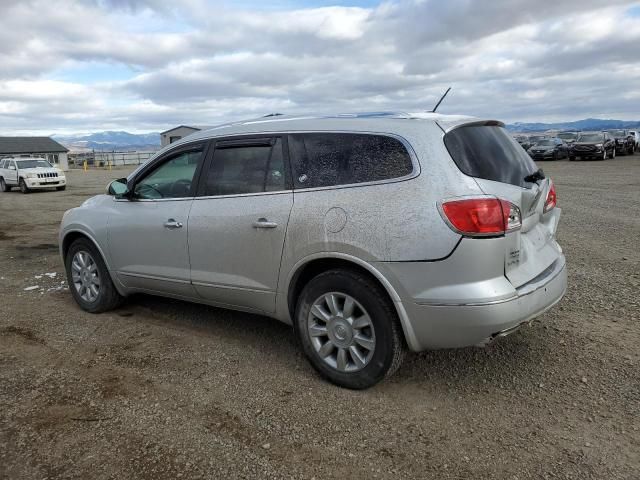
368,233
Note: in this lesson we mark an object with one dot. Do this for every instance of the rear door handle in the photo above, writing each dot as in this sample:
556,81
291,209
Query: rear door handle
171,224
264,223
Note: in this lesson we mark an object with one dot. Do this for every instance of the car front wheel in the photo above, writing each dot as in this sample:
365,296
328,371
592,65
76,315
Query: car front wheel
349,329
23,186
88,278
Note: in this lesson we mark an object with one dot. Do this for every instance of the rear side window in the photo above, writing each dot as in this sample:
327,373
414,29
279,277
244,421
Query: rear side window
239,168
330,159
490,153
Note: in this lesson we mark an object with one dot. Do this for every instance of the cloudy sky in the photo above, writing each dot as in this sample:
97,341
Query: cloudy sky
146,65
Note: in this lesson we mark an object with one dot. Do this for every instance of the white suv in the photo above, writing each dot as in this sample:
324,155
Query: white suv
30,174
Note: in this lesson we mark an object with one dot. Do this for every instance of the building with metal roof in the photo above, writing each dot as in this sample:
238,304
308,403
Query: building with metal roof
176,133
44,147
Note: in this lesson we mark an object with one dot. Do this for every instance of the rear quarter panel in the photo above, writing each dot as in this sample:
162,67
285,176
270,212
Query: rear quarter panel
396,221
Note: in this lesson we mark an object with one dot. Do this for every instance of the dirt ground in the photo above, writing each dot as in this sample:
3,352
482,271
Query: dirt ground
163,389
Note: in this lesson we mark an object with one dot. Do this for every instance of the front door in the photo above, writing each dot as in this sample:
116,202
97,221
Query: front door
148,232
238,224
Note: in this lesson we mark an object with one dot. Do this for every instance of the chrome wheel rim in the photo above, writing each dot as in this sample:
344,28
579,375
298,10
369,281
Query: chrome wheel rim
341,332
85,276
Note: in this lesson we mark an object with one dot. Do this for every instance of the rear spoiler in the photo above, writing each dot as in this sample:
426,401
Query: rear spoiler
449,126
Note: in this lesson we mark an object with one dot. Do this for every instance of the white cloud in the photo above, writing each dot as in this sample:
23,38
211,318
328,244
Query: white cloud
202,61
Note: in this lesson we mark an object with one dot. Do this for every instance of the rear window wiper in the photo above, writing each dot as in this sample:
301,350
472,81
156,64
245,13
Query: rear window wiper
535,176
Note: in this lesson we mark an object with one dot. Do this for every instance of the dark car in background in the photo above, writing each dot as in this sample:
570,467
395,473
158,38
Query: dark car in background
624,140
549,149
533,139
523,140
568,137
593,145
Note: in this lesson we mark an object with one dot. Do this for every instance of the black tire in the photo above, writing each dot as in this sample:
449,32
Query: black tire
23,186
108,297
3,186
60,189
389,349
572,159
612,155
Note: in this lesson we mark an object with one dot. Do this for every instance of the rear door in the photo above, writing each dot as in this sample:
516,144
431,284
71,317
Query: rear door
238,223
499,166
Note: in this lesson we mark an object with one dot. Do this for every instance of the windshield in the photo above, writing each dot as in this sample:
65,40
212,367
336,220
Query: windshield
567,136
590,137
545,143
33,164
490,153
618,133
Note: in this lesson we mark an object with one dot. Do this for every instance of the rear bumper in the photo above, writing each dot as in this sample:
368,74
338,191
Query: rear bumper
468,323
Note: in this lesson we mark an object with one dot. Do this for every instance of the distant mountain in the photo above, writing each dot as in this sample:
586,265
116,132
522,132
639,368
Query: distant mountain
579,125
109,141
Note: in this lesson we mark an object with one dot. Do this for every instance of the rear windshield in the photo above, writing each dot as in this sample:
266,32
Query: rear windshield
490,153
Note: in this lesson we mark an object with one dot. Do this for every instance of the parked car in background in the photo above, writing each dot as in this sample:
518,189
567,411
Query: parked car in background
447,263
568,137
523,140
593,145
533,139
625,142
549,149
636,139
30,174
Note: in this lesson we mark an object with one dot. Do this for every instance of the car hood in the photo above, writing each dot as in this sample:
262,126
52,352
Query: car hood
589,143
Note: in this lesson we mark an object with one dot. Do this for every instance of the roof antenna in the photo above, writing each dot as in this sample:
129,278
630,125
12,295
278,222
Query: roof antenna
440,101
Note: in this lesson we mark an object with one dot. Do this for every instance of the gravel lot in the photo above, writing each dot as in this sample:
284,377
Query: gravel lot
164,389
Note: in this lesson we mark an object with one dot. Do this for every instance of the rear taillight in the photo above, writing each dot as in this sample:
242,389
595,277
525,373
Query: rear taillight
552,199
481,217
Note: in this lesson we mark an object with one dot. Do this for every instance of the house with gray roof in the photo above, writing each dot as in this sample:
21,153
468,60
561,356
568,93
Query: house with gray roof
43,147
176,133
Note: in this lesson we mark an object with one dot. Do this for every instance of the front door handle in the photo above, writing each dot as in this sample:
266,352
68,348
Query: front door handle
264,223
171,224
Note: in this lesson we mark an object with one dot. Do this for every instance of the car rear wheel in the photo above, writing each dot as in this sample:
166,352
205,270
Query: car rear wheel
23,186
3,186
348,329
88,278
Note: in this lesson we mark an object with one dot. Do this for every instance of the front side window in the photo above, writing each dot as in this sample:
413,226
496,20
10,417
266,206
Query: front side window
172,179
245,167
331,159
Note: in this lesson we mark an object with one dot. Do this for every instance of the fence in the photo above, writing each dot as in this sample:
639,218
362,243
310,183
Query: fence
106,159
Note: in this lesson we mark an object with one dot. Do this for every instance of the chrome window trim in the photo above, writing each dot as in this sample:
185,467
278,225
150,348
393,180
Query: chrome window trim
415,162
235,195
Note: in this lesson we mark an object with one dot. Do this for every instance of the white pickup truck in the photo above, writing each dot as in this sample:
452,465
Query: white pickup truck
30,174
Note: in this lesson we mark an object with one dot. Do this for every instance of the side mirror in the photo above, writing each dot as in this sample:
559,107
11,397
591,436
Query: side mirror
118,188
11,167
